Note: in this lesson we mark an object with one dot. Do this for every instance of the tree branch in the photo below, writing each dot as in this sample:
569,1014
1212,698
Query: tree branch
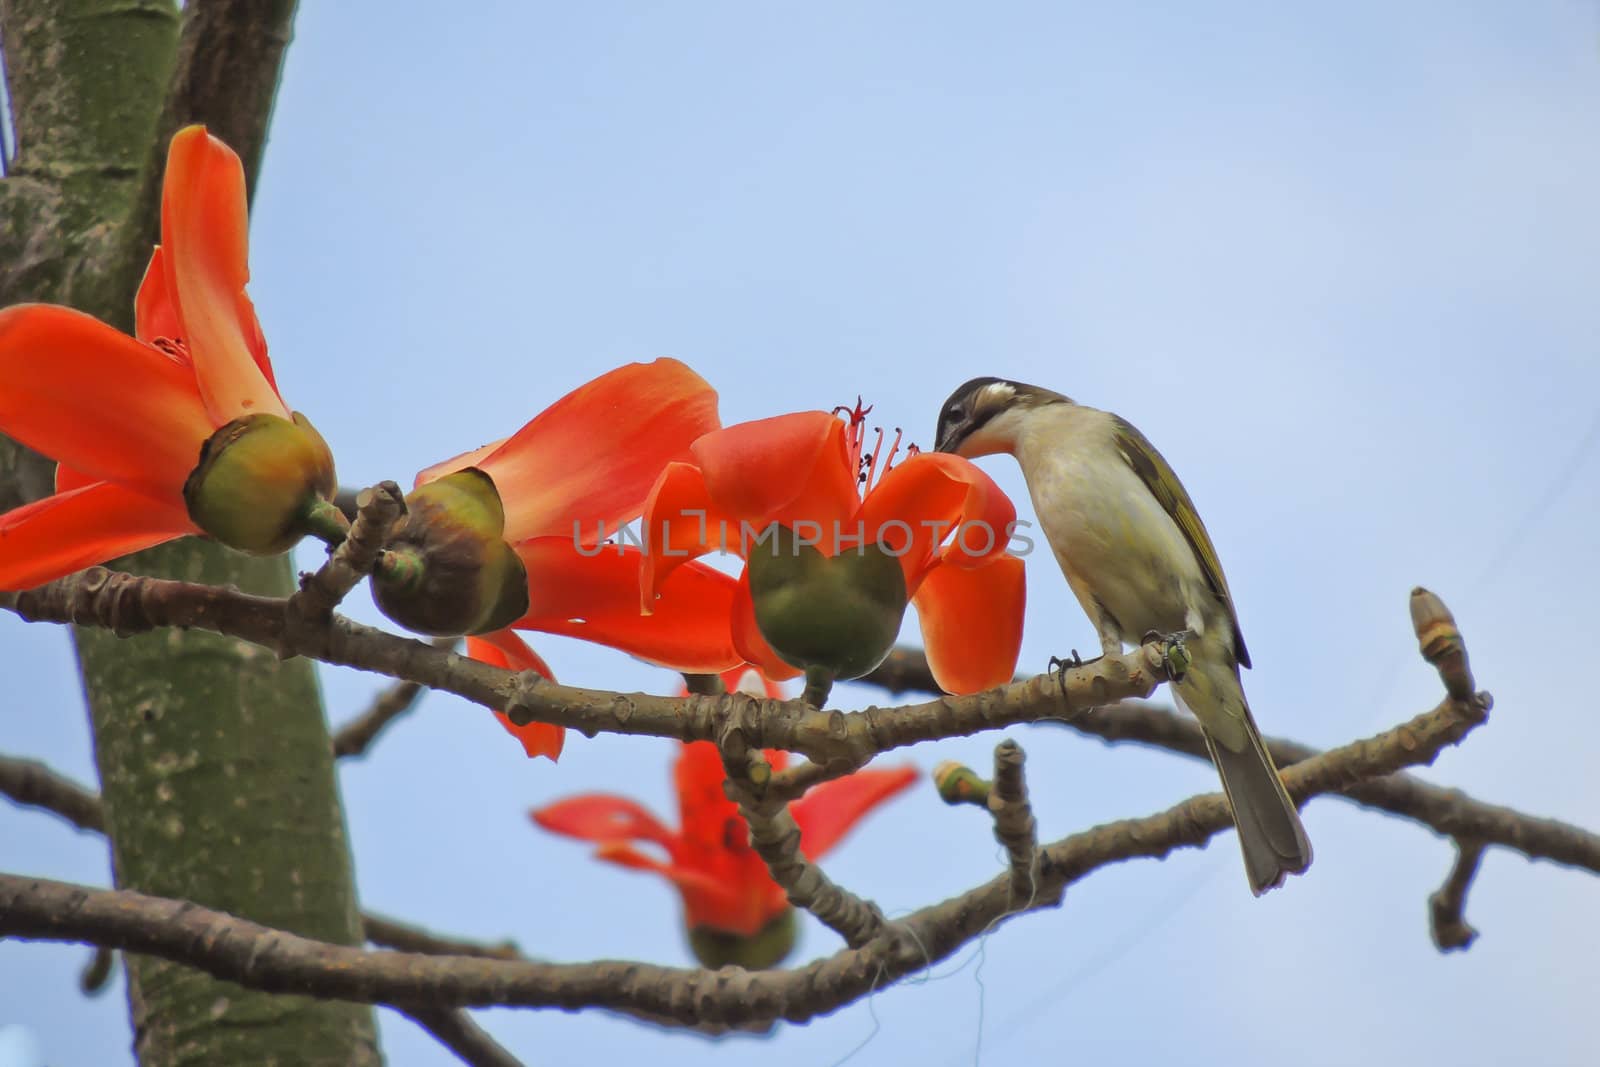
356,736
127,604
275,961
1447,812
377,510
31,783
1014,825
776,838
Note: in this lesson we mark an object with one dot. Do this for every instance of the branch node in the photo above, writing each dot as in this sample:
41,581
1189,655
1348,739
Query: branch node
378,508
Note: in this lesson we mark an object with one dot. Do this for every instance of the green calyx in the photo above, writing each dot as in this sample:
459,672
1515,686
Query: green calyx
767,947
448,570
259,480
840,613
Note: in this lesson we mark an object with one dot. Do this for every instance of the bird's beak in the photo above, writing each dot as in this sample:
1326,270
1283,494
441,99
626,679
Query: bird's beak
950,437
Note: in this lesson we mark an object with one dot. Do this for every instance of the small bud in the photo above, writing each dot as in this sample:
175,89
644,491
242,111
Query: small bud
257,481
768,947
448,569
959,784
841,612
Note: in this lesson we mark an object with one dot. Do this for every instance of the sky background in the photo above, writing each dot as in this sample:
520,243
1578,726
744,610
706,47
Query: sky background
1338,263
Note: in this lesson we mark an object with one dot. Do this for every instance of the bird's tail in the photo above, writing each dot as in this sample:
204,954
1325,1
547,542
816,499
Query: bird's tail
1271,835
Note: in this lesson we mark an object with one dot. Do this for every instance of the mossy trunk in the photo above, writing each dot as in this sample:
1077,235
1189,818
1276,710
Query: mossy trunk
214,758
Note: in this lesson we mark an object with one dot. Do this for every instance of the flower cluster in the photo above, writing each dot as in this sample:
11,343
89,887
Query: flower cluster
181,430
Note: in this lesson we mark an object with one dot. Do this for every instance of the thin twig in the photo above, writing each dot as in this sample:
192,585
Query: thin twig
355,737
460,1033
1447,920
35,785
406,937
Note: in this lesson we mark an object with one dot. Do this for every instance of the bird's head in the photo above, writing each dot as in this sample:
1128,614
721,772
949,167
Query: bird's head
986,415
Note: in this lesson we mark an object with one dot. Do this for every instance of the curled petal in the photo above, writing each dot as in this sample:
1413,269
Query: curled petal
784,469
829,811
592,456
593,594
679,524
941,498
972,622
68,479
502,648
155,313
96,399
91,524
205,239
602,817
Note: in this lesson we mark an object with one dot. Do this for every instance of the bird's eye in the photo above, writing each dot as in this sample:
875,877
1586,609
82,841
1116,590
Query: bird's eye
958,412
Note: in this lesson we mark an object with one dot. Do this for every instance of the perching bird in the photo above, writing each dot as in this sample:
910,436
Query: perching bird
1139,559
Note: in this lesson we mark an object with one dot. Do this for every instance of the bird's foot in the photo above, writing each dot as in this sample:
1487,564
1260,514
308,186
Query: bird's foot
1059,667
1175,656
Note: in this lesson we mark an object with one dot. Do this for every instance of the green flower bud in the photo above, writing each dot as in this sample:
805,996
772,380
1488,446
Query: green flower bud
257,481
448,569
841,612
768,947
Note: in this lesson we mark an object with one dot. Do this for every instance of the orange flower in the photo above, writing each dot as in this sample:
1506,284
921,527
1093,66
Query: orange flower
733,910
127,418
575,472
942,518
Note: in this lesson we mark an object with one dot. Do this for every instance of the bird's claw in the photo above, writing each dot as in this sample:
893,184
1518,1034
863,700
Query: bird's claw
1175,655
1059,667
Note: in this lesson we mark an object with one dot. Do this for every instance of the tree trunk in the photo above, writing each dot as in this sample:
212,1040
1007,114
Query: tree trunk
214,757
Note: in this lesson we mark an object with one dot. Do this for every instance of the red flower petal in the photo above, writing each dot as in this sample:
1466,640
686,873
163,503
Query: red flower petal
602,817
830,810
972,622
703,894
155,314
595,597
592,456
98,400
502,648
205,236
933,487
91,524
783,469
703,808
679,523
461,462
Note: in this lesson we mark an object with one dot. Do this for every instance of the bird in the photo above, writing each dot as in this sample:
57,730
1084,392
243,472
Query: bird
1139,560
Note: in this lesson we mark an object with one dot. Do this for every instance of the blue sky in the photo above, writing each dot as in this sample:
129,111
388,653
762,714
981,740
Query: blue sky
1338,264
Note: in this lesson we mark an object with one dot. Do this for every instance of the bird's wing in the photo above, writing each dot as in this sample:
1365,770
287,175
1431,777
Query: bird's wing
1158,476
